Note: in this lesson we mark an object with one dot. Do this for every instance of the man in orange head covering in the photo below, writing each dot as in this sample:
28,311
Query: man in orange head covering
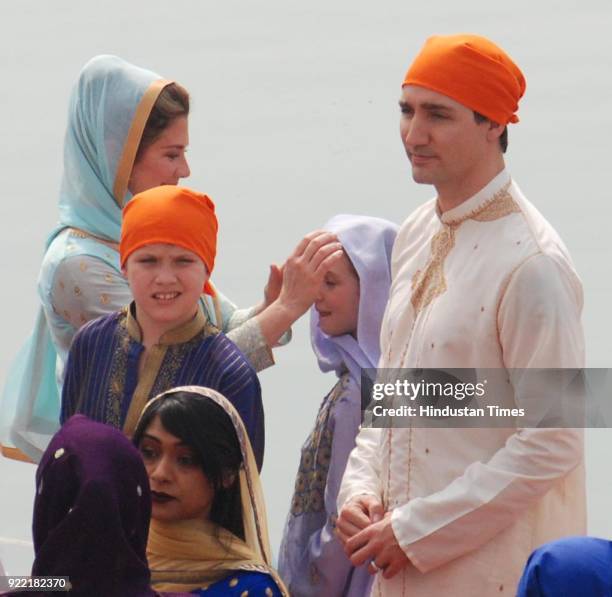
481,282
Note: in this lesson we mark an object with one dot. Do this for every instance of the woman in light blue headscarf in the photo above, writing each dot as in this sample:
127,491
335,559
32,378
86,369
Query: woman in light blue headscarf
80,276
345,329
127,132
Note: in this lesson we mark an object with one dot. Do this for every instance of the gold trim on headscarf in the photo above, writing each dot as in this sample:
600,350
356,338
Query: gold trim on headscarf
188,564
78,233
132,141
15,454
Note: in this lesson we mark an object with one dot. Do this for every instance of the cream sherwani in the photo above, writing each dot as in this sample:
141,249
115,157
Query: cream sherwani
488,284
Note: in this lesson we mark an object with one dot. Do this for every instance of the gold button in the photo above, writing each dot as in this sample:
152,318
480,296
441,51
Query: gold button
233,582
244,594
269,592
59,453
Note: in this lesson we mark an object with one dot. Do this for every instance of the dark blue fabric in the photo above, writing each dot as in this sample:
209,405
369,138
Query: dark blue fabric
572,567
102,373
258,584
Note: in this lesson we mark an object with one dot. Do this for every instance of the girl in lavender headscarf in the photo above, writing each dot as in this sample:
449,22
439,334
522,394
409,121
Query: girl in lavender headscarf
345,328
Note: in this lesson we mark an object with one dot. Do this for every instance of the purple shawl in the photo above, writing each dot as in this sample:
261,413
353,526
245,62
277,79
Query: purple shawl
91,512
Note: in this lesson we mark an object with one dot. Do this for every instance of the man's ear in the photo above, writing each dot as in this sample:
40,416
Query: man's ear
495,130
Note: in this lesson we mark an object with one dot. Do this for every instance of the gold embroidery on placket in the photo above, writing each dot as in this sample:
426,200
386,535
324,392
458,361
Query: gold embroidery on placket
430,282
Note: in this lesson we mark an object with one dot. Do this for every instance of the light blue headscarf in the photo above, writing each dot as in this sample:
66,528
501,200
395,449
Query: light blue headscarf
103,107
368,243
109,106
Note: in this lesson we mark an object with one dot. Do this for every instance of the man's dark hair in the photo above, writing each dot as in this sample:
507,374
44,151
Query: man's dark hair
503,139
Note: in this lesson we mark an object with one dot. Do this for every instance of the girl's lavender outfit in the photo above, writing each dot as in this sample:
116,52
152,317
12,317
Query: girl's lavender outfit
312,560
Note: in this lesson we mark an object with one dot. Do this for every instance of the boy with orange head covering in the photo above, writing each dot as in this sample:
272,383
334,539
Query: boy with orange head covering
163,339
481,281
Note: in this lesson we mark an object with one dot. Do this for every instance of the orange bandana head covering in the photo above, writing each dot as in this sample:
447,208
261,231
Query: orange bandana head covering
471,70
171,215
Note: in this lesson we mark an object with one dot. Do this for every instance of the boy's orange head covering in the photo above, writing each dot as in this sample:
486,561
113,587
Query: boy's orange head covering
171,215
471,70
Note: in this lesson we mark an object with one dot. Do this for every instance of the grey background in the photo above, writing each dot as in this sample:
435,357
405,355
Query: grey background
295,119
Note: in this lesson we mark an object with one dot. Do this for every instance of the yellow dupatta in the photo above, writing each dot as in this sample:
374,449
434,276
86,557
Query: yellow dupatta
191,554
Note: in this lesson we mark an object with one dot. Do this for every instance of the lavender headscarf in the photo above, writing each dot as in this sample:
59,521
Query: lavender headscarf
91,512
368,242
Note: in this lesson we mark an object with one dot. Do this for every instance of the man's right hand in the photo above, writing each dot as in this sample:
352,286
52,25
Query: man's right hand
358,513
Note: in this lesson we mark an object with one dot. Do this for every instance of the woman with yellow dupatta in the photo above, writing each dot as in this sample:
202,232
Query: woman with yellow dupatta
208,531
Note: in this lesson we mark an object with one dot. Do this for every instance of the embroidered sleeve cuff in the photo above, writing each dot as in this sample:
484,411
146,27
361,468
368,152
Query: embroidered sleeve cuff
250,341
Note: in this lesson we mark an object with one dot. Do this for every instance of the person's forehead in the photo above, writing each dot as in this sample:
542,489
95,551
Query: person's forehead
157,431
342,266
416,95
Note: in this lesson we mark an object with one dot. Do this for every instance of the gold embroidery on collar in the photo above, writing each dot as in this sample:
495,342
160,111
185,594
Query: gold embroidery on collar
488,207
502,205
430,282
178,335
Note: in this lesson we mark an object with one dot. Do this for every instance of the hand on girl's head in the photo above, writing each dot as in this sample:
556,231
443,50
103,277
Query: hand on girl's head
304,269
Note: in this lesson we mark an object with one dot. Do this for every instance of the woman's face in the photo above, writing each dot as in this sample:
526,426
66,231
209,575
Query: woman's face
179,488
164,161
338,300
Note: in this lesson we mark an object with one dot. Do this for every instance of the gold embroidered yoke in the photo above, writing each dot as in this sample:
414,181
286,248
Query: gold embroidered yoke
105,382
154,378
